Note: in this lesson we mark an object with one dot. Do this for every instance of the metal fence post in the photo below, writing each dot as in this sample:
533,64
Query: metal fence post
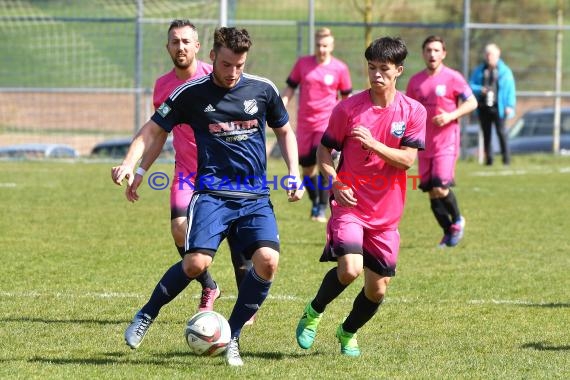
138,63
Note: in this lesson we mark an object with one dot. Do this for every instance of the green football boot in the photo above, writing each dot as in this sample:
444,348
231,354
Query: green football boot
348,343
307,327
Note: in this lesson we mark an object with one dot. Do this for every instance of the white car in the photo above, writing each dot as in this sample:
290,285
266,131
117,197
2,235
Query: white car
38,150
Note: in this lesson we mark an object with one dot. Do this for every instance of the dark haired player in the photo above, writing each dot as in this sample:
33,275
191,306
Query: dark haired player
228,111
378,132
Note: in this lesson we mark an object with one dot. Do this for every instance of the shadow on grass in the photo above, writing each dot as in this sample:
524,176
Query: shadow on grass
548,305
245,355
163,359
125,361
544,346
164,321
48,320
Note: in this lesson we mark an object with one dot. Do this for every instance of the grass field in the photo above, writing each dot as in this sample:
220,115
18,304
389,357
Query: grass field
78,260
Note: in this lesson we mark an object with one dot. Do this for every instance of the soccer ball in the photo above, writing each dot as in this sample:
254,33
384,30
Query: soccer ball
207,333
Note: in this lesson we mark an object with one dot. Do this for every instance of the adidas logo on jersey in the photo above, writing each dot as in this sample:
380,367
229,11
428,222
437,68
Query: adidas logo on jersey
209,108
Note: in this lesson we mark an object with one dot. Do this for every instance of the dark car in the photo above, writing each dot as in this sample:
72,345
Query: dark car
117,148
533,132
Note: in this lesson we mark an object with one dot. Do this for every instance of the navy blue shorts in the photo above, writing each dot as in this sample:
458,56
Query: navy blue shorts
211,218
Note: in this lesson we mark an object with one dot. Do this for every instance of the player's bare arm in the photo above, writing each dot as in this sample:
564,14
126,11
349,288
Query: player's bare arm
343,194
288,145
287,95
146,162
402,158
140,145
153,151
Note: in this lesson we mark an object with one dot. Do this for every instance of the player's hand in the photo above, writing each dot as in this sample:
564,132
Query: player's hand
343,194
131,190
122,172
294,189
442,118
363,135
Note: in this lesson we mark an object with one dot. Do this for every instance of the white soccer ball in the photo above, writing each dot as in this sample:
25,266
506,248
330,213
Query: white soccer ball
207,333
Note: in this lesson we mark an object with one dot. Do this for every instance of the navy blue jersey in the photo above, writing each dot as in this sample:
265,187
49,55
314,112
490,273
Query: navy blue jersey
229,127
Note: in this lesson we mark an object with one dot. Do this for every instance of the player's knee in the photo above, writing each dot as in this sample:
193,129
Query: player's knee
265,262
375,295
348,275
439,192
195,264
376,290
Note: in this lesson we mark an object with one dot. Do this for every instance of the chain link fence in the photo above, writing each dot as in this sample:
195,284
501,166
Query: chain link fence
79,72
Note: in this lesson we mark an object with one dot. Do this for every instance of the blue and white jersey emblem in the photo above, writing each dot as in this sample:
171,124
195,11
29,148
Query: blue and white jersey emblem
163,110
250,107
398,128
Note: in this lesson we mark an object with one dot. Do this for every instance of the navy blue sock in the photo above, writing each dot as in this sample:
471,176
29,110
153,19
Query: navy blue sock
252,292
170,285
205,279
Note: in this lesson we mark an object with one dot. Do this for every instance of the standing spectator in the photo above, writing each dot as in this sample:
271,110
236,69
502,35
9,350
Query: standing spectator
379,132
322,79
493,84
228,111
446,95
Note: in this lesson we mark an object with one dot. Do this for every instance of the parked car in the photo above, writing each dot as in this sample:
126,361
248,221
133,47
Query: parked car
38,150
533,132
470,141
117,148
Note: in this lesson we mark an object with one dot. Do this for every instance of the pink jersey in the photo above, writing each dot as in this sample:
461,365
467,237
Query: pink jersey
320,85
186,159
380,188
435,92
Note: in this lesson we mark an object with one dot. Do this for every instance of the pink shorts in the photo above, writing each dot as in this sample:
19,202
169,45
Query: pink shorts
348,234
436,171
180,194
307,143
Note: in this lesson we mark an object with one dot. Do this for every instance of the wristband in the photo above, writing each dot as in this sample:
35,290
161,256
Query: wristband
140,171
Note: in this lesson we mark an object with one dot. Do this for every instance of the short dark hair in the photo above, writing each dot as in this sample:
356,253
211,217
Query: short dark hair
179,23
387,49
237,40
434,38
